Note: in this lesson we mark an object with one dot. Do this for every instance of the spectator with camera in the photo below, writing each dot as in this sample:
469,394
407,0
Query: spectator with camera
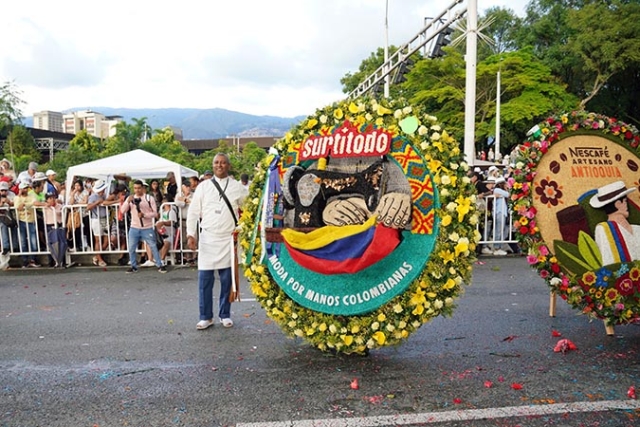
143,214
24,203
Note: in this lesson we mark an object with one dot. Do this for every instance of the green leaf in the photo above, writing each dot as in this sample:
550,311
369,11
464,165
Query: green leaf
589,250
570,258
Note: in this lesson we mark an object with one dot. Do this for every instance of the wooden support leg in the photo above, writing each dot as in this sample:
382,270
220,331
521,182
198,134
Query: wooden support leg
609,329
552,304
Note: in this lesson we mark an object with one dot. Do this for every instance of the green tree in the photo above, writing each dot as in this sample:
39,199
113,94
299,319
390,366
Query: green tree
606,37
10,104
86,142
22,146
164,144
529,92
252,154
128,137
367,67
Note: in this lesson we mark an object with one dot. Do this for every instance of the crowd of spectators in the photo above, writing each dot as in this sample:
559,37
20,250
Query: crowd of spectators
32,218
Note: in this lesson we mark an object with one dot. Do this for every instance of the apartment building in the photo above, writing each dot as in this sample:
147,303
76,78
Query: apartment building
94,123
48,120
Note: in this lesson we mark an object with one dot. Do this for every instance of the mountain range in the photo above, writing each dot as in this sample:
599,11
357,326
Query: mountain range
202,123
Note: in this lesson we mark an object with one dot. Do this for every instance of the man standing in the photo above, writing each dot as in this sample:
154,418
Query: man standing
215,204
143,213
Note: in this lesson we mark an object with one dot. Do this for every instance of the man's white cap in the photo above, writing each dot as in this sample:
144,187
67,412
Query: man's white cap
51,172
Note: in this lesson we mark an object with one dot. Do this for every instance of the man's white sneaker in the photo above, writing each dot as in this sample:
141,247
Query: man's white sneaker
204,324
486,251
148,263
500,252
227,323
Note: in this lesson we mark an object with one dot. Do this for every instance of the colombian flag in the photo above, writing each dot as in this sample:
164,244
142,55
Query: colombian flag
339,250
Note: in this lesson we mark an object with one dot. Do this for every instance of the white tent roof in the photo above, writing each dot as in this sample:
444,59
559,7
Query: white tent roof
137,164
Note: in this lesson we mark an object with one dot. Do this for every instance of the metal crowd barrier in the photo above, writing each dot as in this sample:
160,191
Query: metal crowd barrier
81,237
492,235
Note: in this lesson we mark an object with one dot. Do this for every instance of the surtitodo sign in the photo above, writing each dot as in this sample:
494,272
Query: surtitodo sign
347,141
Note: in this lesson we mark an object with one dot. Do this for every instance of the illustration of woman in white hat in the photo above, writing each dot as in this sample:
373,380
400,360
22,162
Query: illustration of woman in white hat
617,239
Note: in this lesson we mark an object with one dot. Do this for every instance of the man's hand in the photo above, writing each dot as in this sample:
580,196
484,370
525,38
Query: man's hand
346,212
191,243
394,210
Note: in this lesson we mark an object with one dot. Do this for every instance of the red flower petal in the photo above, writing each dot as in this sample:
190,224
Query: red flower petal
516,386
631,393
555,333
488,384
457,401
354,384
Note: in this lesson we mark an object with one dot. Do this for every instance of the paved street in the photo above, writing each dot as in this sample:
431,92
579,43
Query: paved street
93,347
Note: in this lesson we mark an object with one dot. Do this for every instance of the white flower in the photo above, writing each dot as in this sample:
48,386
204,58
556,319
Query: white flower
438,304
451,206
323,119
555,281
397,114
519,165
332,329
448,301
445,180
437,128
424,145
422,130
407,110
375,326
454,166
454,237
390,327
444,192
368,116
464,166
466,180
435,136
473,220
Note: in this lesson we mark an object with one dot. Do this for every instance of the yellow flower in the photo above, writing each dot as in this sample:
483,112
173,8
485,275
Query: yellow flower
524,221
397,309
446,220
382,317
338,114
353,108
347,339
355,329
418,297
464,206
418,310
446,256
450,284
322,327
434,165
382,110
462,246
311,123
379,337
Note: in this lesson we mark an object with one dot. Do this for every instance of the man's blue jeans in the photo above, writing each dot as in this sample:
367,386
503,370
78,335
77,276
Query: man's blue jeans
28,231
205,288
149,236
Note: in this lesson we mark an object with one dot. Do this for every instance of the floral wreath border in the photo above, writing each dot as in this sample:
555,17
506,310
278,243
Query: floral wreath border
435,289
594,301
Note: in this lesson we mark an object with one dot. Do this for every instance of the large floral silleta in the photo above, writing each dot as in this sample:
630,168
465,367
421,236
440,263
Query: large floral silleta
569,160
381,226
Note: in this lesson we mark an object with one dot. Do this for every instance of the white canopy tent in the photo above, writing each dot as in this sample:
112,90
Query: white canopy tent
137,164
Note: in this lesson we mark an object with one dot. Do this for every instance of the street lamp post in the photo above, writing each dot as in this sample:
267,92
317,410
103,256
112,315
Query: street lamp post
386,48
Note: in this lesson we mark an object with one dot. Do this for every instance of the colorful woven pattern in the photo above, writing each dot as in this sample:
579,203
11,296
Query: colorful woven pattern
422,189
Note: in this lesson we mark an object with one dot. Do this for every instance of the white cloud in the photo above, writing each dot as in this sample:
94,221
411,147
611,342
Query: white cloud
278,57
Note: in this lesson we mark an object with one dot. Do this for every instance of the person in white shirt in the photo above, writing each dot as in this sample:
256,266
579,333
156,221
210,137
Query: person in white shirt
215,247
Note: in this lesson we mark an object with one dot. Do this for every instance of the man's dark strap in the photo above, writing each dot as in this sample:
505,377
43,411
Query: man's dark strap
226,199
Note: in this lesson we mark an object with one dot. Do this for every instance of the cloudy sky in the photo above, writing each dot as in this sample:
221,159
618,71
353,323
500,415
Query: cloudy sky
278,57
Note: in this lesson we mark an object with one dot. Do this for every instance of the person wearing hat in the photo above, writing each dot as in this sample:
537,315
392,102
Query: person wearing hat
53,186
6,167
99,220
617,239
29,173
24,204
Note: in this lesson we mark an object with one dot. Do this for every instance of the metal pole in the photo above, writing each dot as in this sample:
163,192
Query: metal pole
497,141
386,47
470,98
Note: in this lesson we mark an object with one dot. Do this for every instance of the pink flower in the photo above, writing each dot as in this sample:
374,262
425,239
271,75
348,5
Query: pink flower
619,306
511,181
529,214
544,274
544,251
532,259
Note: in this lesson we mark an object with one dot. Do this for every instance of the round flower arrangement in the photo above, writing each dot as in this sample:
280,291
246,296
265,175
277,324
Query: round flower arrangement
438,284
611,292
